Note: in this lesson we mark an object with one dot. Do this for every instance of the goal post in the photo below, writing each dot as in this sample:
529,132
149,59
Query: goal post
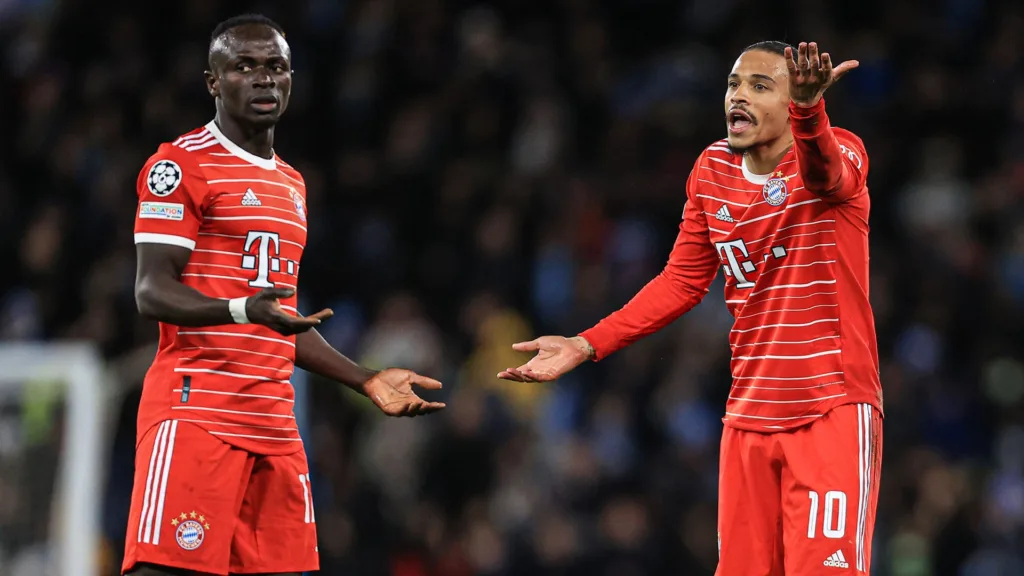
75,374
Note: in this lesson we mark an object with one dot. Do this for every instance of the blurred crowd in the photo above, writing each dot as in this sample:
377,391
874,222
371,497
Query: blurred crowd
481,172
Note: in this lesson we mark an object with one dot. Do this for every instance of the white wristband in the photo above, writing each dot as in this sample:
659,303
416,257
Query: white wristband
237,308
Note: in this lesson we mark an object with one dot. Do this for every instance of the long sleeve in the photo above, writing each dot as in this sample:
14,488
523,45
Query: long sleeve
692,266
833,163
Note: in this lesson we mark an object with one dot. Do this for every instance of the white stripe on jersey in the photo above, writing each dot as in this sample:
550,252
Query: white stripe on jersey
788,310
207,251
778,212
763,300
786,325
289,360
770,418
200,137
258,218
726,163
808,265
740,204
239,394
816,232
228,180
777,357
218,277
832,336
787,401
837,382
195,147
236,335
236,424
282,240
225,411
232,362
728,188
781,286
785,378
231,374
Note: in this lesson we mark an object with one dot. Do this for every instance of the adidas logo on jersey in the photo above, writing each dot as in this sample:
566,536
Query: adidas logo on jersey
837,560
250,199
724,215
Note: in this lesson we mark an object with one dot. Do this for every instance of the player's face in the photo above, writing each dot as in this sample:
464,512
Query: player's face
757,99
253,77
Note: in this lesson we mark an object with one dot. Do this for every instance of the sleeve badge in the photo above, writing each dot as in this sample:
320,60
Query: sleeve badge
164,178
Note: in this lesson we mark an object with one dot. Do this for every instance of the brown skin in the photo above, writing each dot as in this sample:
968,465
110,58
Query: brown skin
250,80
761,86
251,64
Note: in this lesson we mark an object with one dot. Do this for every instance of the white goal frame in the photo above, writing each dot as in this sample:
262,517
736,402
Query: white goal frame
80,471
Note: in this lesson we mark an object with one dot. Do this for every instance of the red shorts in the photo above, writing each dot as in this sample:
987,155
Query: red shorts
801,502
201,504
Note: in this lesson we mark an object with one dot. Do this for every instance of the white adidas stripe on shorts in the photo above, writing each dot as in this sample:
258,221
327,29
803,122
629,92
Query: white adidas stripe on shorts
865,461
156,483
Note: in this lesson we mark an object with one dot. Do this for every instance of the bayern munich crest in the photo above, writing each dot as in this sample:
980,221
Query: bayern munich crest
300,208
775,191
164,177
191,530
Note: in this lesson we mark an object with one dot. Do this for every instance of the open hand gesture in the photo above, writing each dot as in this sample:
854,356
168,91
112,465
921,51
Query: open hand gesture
556,356
264,308
391,390
810,75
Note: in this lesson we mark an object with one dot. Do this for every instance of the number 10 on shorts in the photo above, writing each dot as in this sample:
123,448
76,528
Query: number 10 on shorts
833,523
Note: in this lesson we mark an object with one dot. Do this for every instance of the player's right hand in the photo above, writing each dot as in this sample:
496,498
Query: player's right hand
556,356
265,308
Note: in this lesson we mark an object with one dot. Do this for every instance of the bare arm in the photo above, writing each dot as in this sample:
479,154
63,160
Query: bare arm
314,354
160,295
391,390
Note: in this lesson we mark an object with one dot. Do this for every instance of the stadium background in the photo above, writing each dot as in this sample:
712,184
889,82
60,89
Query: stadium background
480,172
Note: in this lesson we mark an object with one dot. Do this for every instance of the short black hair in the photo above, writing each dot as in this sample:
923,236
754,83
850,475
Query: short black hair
244,20
770,46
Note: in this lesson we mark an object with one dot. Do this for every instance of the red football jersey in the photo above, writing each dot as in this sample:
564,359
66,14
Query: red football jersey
796,267
244,219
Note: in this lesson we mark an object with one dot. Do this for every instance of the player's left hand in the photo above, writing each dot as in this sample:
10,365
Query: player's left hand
391,390
810,75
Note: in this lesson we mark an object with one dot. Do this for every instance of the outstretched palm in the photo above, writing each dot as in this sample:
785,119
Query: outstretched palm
391,390
810,75
556,356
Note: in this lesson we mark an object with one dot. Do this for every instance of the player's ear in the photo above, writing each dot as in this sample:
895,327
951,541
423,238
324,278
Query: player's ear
212,83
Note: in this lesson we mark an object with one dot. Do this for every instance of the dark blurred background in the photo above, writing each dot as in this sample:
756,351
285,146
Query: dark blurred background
481,172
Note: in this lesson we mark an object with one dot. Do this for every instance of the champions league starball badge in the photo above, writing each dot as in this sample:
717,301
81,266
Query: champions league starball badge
163,178
775,191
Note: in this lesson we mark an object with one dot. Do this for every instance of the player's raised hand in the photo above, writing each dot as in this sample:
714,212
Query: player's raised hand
556,356
265,308
391,390
810,74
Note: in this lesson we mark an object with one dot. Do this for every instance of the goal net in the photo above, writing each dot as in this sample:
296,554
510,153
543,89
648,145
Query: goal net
52,402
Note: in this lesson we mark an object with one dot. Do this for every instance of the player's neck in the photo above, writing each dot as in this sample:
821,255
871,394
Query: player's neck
256,141
763,159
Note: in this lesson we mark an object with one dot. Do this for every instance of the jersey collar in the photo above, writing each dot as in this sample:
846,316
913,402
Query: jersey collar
750,176
265,163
